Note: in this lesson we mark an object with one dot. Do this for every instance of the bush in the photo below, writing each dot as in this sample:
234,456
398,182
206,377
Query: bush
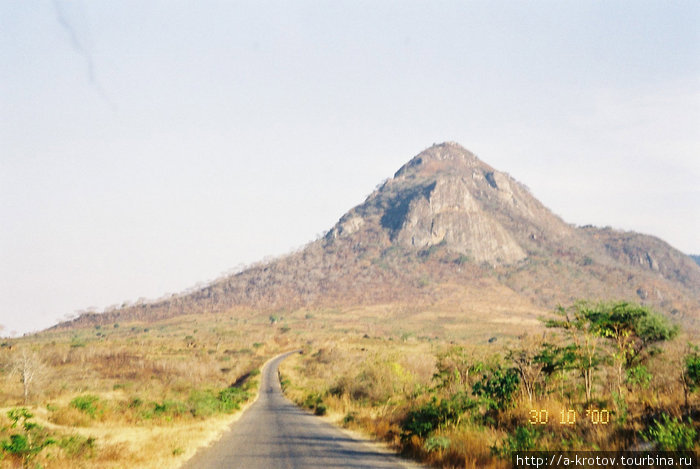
524,439
436,443
314,401
231,398
670,434
497,388
436,413
77,446
639,376
203,403
170,408
88,404
24,446
692,369
349,418
320,409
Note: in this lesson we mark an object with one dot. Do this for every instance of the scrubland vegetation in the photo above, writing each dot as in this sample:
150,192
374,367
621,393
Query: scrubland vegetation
441,383
598,377
126,395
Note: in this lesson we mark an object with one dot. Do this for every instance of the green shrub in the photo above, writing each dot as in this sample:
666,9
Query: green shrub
349,418
436,443
77,342
170,408
670,434
497,387
24,446
524,439
314,401
462,259
203,403
639,376
78,446
435,414
231,398
135,402
320,409
88,404
692,369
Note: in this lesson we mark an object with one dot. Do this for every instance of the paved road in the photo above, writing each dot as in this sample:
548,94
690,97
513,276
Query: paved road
274,434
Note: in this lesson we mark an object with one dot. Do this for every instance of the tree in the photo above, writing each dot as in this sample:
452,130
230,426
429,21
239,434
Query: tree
28,366
584,355
632,329
29,442
690,371
527,362
497,387
454,368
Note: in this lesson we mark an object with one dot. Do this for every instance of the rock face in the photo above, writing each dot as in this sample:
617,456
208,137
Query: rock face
449,215
447,197
446,221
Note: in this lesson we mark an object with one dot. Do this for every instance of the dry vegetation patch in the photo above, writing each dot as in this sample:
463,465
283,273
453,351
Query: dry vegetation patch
472,402
129,395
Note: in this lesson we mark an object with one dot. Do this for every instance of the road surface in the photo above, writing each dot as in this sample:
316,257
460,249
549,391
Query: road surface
275,434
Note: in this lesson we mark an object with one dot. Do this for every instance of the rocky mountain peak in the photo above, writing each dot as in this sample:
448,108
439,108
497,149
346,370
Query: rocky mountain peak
447,223
446,196
441,157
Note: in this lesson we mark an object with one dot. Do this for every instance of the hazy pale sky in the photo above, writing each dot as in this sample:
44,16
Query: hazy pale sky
148,146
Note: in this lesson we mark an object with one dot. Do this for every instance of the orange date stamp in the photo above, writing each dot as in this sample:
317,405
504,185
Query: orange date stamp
570,417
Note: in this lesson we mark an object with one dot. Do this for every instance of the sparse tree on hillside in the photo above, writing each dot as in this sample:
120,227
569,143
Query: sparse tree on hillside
29,367
528,362
690,371
454,367
630,329
585,356
633,330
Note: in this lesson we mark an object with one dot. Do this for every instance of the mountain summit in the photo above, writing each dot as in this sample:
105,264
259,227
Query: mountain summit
447,197
450,229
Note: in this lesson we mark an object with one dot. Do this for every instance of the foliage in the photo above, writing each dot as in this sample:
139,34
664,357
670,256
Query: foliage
639,376
523,439
670,434
231,398
454,368
554,358
77,446
692,369
88,404
632,328
629,329
497,387
169,408
436,413
32,438
583,354
204,403
314,401
436,443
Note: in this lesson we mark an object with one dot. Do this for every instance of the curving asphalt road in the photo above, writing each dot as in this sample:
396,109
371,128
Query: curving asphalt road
274,434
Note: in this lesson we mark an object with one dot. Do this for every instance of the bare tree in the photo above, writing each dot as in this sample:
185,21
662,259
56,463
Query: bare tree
527,363
29,367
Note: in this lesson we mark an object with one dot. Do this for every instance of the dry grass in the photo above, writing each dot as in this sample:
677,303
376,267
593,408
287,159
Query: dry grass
134,395
371,384
369,365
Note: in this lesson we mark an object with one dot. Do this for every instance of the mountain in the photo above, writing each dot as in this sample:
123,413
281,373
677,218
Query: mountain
449,229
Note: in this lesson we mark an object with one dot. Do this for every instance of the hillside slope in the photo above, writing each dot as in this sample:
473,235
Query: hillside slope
447,222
